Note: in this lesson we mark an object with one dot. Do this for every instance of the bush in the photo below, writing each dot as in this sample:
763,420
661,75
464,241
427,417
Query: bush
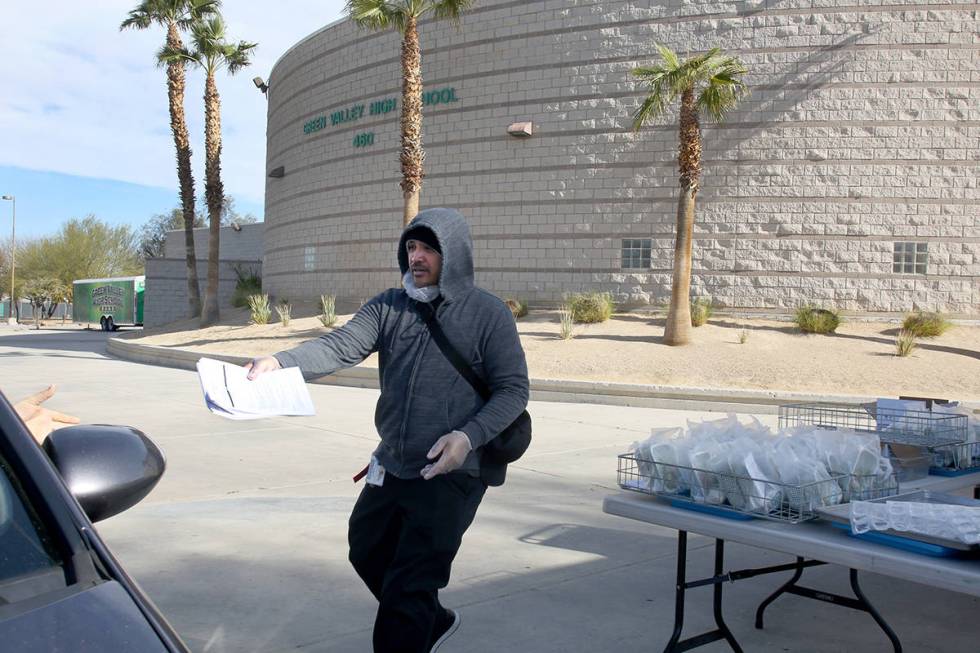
284,309
816,320
518,307
328,310
743,336
926,325
565,317
590,308
259,306
701,310
904,343
248,283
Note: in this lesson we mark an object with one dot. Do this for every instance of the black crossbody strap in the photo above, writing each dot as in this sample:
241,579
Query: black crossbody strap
454,357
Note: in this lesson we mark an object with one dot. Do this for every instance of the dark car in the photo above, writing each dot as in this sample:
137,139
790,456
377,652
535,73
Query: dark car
60,587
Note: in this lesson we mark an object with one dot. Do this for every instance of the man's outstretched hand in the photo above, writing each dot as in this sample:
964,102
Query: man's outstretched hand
261,365
40,420
451,450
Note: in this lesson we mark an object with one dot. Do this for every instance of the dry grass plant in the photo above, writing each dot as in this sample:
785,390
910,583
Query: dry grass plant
743,336
926,325
328,310
258,306
811,319
566,321
591,308
701,310
518,307
284,309
904,343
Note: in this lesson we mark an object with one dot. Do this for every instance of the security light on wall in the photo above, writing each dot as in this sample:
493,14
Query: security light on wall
278,172
521,129
260,84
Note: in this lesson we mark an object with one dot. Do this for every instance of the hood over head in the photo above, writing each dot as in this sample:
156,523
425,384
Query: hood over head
453,234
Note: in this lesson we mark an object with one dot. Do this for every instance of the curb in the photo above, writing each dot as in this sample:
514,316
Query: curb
557,390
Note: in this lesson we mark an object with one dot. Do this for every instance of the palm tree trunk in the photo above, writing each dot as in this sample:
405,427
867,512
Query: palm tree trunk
214,194
678,329
412,154
178,125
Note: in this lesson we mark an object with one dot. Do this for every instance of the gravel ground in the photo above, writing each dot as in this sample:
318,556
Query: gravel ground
859,359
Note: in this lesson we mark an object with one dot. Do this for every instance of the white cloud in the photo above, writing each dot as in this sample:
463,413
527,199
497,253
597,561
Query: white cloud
80,97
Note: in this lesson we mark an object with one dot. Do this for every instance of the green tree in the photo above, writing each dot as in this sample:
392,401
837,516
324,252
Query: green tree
403,16
707,84
211,51
42,293
153,234
177,16
83,249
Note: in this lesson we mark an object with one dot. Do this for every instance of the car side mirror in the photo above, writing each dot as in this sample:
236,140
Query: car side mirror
107,468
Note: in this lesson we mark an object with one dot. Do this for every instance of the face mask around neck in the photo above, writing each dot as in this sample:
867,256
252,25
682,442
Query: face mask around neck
424,295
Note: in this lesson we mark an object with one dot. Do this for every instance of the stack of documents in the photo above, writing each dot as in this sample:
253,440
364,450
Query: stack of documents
229,393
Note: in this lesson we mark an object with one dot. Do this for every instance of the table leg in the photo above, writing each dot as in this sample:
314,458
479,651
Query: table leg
676,644
719,620
779,592
870,609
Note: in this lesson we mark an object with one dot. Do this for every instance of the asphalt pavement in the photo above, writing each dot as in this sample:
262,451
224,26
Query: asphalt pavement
243,543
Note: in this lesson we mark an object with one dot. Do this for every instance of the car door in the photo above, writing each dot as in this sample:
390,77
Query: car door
60,588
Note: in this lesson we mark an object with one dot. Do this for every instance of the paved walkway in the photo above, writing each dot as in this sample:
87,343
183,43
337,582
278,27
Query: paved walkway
242,545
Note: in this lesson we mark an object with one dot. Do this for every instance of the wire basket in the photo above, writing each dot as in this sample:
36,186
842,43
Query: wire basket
955,458
944,435
865,487
730,492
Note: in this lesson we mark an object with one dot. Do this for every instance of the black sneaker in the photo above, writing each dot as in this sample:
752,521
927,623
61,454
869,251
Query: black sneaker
448,624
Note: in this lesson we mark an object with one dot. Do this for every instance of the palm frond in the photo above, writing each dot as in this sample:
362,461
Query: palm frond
196,11
238,56
450,10
374,15
167,55
139,18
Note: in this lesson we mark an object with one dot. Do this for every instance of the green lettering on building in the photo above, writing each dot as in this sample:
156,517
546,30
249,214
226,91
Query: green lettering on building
381,107
439,96
364,139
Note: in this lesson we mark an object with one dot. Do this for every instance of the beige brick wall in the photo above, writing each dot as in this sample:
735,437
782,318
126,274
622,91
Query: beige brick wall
863,128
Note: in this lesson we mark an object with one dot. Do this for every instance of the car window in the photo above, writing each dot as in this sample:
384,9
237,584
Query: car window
25,547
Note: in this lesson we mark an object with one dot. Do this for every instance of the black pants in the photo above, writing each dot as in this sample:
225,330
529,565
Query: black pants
403,537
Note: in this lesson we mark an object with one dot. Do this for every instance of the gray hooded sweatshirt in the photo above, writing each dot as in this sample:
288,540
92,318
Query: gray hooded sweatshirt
423,397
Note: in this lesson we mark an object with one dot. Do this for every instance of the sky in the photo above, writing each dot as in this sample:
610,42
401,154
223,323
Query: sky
84,123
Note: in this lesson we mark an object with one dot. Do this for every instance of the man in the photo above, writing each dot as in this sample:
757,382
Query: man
424,482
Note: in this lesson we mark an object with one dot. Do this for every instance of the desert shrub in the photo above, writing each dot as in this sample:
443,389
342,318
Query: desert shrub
589,308
926,325
247,283
328,310
904,343
701,310
743,336
518,307
811,319
259,307
284,309
566,321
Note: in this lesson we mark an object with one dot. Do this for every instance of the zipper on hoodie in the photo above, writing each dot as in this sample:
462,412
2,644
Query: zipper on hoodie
411,393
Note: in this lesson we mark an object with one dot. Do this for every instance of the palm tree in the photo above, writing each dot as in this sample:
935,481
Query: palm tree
211,51
403,16
708,84
177,16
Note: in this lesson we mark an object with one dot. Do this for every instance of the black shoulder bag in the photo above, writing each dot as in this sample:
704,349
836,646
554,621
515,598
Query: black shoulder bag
513,441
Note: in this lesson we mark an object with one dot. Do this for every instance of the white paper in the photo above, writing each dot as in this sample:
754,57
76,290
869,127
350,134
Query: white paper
228,392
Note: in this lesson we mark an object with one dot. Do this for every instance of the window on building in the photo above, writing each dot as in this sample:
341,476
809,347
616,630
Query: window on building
309,258
636,254
910,258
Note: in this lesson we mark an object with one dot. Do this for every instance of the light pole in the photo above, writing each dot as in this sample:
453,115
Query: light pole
12,319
